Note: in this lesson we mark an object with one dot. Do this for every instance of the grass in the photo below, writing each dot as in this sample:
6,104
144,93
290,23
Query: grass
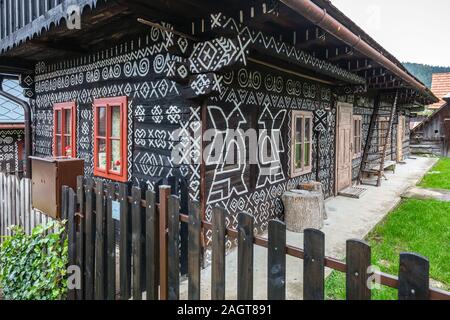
439,176
421,226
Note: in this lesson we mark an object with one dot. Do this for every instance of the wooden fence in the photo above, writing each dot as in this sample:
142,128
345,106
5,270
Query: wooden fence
146,262
15,205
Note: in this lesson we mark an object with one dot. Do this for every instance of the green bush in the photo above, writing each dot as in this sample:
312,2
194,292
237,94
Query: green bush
33,267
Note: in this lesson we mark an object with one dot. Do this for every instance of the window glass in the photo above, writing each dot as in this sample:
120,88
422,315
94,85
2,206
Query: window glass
298,130
307,154
101,121
68,121
307,129
58,121
101,157
115,118
115,156
58,146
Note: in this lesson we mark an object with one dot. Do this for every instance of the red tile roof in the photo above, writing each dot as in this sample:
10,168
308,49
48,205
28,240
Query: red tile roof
440,87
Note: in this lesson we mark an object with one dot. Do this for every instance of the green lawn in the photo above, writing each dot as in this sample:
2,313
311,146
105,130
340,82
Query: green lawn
439,176
421,226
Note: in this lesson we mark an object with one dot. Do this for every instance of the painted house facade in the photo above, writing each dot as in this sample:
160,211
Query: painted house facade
11,130
139,87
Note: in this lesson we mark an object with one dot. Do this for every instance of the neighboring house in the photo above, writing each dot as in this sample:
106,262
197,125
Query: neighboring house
118,93
11,130
440,87
432,135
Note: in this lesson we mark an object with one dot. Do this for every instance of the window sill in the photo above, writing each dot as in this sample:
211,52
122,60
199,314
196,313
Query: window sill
301,173
110,176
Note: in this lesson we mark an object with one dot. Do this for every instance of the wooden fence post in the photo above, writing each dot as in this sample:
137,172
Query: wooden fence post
245,257
136,243
276,262
125,244
71,232
194,250
90,240
218,254
314,265
358,262
80,234
173,248
100,242
110,243
164,192
152,246
414,277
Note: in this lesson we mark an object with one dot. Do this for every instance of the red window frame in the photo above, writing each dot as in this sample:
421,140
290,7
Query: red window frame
63,107
108,104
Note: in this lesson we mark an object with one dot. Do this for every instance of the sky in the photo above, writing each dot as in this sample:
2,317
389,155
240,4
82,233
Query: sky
412,30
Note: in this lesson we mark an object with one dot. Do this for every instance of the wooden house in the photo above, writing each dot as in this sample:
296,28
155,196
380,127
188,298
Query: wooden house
430,135
11,130
139,78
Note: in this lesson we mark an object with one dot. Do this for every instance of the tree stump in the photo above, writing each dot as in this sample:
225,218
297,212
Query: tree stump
303,209
315,186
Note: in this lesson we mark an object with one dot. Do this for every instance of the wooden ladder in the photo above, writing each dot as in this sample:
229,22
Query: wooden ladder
365,165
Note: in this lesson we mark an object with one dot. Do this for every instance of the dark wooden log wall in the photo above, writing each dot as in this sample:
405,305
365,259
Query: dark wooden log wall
261,98
10,150
136,69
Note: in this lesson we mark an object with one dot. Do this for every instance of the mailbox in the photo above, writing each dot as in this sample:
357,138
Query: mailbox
49,175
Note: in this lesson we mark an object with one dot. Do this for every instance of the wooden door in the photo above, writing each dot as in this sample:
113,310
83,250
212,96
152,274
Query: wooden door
400,137
344,146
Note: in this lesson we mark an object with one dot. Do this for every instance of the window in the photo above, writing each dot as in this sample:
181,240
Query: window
301,150
357,138
110,138
64,137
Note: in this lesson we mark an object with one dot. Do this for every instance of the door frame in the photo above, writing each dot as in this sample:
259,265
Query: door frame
339,105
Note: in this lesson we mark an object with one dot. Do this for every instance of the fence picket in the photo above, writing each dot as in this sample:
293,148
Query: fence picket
125,244
276,266
136,243
173,248
245,257
314,265
218,254
194,250
80,255
90,239
71,232
156,247
164,192
110,243
414,281
152,246
358,262
99,242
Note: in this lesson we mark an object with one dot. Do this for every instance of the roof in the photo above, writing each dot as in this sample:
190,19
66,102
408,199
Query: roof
441,88
55,15
431,117
10,112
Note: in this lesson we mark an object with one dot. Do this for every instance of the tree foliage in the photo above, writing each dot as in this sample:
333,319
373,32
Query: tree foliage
425,72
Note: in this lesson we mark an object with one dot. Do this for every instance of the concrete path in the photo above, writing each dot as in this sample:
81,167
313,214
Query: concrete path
427,194
347,219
